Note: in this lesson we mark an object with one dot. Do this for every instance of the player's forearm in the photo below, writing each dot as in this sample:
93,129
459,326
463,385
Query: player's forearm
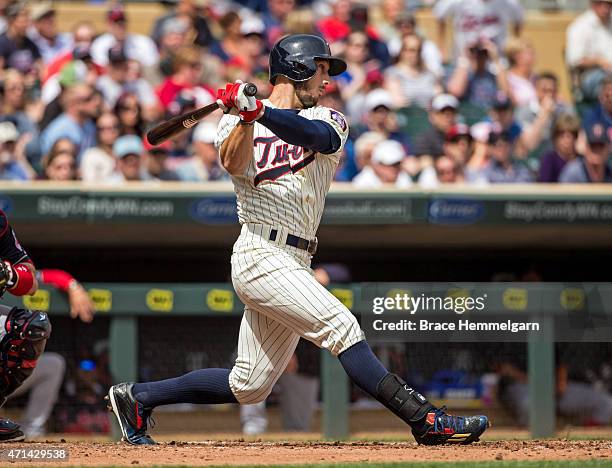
24,281
237,150
296,130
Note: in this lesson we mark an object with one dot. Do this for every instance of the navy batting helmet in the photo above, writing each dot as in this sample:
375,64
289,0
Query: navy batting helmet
294,57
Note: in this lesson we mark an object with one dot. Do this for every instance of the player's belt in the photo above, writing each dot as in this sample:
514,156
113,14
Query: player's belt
298,242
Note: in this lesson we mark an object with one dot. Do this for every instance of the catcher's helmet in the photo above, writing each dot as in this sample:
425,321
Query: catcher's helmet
294,57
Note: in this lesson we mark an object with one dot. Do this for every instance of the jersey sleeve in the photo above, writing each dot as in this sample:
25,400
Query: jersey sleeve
225,127
10,248
336,120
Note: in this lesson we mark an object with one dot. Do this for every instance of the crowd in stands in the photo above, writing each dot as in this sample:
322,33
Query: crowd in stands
75,105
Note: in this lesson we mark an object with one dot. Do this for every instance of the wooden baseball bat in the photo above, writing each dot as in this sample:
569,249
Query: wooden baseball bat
176,125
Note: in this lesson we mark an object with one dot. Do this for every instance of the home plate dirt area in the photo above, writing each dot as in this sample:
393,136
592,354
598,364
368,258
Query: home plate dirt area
240,452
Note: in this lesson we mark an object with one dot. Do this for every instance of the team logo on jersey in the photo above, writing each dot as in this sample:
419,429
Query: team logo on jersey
275,158
337,117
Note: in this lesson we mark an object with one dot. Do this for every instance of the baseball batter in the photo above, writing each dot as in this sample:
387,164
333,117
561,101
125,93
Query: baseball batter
282,154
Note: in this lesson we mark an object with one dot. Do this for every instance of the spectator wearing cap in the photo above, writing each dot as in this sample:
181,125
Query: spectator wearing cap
99,163
253,52
501,167
16,49
117,81
83,34
204,165
588,49
405,25
409,80
473,20
128,150
537,118
76,122
191,13
384,168
187,68
136,46
44,34
155,165
602,112
565,135
593,168
13,163
380,117
458,148
500,119
442,116
479,75
73,72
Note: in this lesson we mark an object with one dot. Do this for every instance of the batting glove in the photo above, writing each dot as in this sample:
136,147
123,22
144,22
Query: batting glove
250,107
226,97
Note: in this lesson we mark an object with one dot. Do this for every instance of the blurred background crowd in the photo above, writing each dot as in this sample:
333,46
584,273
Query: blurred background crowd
76,104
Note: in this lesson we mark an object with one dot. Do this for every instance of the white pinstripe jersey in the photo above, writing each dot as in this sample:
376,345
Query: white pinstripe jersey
285,185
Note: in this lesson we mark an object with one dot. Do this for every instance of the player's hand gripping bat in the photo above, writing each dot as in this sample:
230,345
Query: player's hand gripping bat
177,124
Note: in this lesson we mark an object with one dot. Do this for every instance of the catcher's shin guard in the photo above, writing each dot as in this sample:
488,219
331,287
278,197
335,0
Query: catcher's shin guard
24,335
430,425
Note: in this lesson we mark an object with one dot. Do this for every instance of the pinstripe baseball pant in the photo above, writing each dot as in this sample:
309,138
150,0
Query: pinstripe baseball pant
283,302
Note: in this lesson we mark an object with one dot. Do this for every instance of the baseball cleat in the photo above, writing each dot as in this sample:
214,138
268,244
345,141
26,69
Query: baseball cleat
442,428
131,414
10,432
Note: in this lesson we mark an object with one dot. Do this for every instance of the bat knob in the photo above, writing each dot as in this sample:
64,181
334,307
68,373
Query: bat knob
250,89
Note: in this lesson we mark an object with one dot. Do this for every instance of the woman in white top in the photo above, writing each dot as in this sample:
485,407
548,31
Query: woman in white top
521,59
409,80
99,162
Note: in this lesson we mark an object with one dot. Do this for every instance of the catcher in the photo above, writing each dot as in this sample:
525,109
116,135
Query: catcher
23,333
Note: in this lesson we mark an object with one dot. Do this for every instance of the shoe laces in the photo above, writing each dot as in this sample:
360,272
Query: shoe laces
442,421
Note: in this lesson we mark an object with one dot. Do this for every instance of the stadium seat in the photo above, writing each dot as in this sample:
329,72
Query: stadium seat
413,120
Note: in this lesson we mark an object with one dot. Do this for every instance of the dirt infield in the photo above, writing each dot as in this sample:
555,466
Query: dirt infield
271,453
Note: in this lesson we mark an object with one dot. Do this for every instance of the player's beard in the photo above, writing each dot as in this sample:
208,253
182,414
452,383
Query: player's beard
305,96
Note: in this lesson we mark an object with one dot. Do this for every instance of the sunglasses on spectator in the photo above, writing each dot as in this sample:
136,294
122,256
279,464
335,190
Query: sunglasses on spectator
103,128
128,108
87,98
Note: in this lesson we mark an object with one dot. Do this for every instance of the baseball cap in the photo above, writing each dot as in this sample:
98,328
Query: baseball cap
174,26
71,73
41,10
8,132
444,101
252,25
388,153
126,145
498,135
458,130
116,15
116,55
81,52
14,9
205,132
597,134
377,98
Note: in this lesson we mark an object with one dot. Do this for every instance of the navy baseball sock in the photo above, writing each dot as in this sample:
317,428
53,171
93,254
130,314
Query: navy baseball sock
203,386
363,367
